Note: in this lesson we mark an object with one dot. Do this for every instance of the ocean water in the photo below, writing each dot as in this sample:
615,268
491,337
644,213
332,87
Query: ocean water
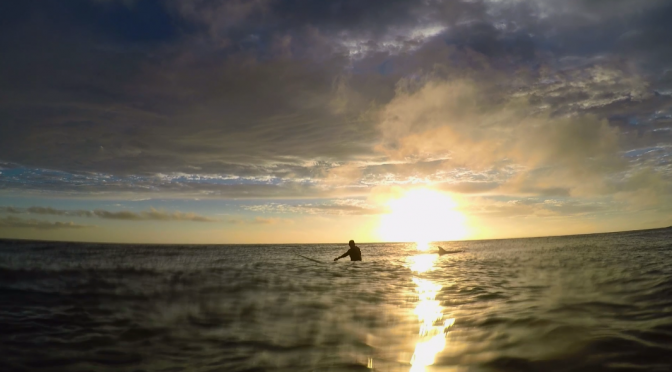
578,303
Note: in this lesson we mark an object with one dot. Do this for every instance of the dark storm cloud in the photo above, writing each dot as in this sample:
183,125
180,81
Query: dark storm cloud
107,103
107,96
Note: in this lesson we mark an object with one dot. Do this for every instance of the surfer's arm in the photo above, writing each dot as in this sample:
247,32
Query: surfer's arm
346,254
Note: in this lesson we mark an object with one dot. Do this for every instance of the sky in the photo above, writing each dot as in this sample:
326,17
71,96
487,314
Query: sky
297,121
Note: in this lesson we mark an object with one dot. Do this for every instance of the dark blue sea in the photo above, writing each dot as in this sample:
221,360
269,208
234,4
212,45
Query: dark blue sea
577,303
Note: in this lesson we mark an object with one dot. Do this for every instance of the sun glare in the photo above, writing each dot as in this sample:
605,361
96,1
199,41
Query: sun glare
422,215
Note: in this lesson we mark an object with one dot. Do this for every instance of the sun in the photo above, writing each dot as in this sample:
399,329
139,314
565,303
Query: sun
422,216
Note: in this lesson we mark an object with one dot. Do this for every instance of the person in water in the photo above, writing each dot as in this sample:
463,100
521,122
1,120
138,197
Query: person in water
443,251
354,252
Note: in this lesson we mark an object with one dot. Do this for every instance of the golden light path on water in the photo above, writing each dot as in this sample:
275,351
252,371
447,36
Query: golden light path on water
432,329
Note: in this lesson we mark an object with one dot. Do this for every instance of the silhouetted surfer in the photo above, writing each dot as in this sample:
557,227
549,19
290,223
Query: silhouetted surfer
354,253
443,251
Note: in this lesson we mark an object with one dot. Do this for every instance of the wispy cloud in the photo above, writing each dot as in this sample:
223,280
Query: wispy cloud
10,210
536,207
150,215
336,207
258,221
20,223
59,212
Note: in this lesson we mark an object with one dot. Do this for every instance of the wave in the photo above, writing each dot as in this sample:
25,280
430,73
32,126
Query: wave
565,304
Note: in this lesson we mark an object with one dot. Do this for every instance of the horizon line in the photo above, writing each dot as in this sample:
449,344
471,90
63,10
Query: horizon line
332,243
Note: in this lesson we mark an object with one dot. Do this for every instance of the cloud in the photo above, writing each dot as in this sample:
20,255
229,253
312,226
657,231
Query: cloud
59,212
14,222
220,16
258,221
341,207
150,215
10,210
468,187
537,207
643,188
269,221
286,99
462,121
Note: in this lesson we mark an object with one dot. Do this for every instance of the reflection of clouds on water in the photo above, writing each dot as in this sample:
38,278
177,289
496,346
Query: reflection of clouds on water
432,337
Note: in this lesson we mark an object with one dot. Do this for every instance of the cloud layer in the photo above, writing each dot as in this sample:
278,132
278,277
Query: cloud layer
21,223
336,99
150,215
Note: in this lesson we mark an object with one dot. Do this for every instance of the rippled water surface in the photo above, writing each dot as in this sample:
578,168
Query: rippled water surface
581,303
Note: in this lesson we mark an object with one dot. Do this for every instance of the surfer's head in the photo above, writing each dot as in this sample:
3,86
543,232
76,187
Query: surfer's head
351,243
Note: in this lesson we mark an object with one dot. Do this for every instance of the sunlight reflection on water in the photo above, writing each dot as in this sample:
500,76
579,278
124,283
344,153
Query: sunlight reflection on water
422,263
579,303
432,330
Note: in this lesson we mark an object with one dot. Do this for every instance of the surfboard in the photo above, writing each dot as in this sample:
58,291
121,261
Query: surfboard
308,258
